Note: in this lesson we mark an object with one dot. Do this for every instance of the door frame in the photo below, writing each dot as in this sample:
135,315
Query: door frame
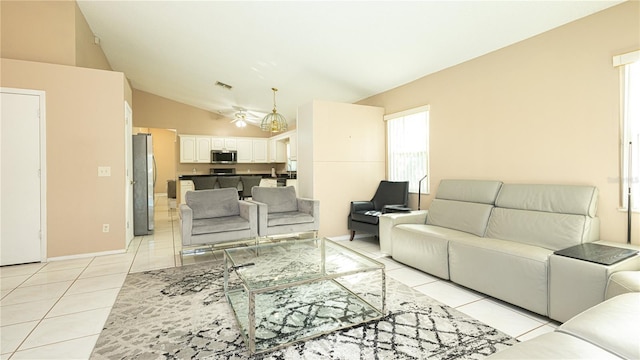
43,161
128,132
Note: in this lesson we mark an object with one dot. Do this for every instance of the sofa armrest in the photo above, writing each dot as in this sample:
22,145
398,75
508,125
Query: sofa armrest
262,209
186,223
361,206
311,207
389,220
249,211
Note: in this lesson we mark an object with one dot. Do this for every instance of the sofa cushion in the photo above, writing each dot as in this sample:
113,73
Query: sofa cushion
213,203
459,215
567,199
553,345
477,191
219,224
622,282
278,199
288,218
613,325
553,231
507,270
424,247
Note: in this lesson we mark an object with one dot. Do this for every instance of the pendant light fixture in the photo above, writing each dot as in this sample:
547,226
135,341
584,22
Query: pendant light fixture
274,122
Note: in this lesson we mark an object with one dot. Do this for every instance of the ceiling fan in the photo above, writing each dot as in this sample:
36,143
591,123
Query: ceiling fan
242,117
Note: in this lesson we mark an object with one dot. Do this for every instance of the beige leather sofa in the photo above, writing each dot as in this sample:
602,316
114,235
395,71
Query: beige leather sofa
609,330
494,238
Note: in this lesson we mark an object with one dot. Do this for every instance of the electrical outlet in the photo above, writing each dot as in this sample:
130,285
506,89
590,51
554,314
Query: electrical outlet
105,228
104,170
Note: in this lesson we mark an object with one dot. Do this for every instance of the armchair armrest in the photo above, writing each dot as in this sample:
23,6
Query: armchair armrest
262,209
311,207
389,220
186,223
361,206
249,211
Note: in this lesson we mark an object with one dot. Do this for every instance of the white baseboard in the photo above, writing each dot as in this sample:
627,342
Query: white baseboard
82,256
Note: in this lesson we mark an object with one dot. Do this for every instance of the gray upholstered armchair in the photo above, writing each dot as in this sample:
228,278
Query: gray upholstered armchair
216,216
280,211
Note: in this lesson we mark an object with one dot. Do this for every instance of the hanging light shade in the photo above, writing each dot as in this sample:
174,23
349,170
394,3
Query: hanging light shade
274,122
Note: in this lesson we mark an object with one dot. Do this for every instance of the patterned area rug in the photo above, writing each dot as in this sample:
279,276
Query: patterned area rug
182,313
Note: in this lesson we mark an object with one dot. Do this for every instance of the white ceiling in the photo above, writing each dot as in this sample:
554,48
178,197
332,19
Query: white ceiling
327,50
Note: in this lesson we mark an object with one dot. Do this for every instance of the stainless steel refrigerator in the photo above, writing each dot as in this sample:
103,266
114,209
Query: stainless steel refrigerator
144,178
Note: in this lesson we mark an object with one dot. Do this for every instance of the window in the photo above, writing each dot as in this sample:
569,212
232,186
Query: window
408,147
630,127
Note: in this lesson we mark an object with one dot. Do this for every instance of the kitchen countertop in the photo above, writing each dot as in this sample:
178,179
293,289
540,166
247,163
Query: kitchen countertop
263,175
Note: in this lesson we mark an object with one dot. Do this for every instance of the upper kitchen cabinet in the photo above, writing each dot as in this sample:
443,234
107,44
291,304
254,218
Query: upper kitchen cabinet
260,150
245,150
251,150
277,150
293,146
203,149
195,149
187,149
218,143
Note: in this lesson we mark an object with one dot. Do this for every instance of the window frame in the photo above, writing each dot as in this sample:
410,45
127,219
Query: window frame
625,182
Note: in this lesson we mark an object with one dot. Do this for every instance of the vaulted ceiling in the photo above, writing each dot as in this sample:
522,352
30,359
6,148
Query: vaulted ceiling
329,50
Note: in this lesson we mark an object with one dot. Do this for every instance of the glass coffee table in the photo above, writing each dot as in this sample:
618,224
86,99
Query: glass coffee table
292,291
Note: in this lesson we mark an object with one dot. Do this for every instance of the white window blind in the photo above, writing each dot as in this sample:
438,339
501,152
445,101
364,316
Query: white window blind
630,127
408,147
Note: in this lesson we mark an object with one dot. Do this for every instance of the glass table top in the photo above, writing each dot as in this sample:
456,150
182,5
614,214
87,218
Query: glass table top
286,262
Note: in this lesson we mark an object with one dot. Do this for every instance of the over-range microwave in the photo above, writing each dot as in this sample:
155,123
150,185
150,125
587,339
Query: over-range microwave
224,156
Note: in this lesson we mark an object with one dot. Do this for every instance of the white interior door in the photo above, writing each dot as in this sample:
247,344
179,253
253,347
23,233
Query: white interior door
128,131
21,177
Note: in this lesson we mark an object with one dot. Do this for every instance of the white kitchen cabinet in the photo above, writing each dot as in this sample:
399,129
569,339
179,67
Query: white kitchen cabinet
277,151
195,149
187,149
252,150
293,146
219,143
185,185
260,150
245,150
203,149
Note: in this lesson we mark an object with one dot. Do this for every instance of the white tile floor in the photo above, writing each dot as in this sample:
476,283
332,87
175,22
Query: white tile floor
56,310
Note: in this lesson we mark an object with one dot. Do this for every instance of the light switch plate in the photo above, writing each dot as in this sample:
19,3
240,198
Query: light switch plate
104,170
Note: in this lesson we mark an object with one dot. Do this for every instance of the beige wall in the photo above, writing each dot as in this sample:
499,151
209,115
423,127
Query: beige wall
49,31
88,53
341,158
544,110
164,144
85,129
41,31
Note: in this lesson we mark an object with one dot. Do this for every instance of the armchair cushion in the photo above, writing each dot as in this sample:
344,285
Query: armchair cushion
278,199
213,203
220,224
370,216
288,218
